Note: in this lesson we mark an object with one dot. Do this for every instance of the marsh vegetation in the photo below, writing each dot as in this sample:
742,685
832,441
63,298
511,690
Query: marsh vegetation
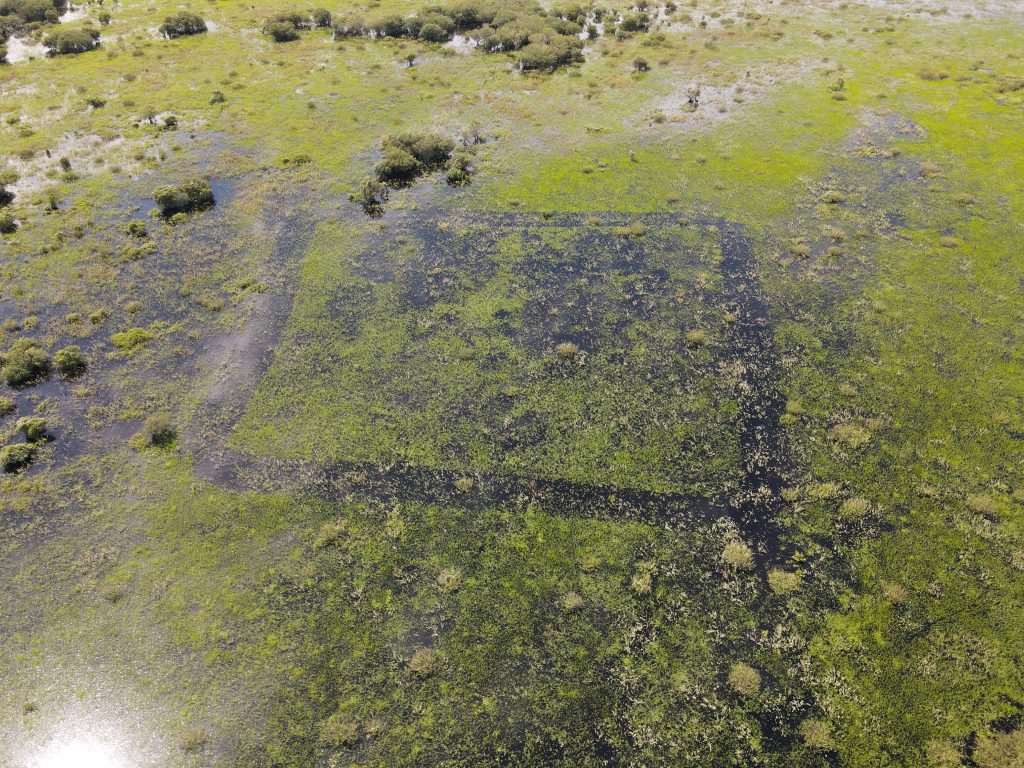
474,383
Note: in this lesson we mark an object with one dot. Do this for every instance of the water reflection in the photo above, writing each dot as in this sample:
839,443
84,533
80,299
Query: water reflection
78,753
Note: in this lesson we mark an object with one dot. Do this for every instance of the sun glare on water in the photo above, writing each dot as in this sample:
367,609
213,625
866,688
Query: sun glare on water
77,753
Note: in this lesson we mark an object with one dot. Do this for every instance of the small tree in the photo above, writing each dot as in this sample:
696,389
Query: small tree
182,24
281,31
63,42
397,166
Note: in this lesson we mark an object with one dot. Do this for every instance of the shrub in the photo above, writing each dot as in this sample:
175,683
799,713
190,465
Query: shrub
432,33
738,556
635,22
132,340
1000,750
105,18
548,56
34,428
429,149
182,24
3,53
459,167
744,679
449,580
391,26
25,363
339,730
349,27
320,17
6,406
17,456
70,361
640,64
372,194
62,42
7,178
397,166
854,509
281,31
136,229
566,350
157,430
8,225
422,662
817,734
783,582
192,195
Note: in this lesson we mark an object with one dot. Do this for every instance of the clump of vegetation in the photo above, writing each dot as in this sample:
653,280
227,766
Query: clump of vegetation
70,362
817,734
182,24
34,428
16,15
63,42
25,363
8,224
339,730
410,154
744,679
854,509
6,406
281,31
422,662
783,582
371,195
1000,750
157,430
7,178
449,580
738,556
192,740
566,350
17,456
132,340
187,197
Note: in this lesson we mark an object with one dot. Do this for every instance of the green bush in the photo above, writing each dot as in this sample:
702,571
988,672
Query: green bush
25,363
192,195
635,22
320,17
70,361
132,340
397,166
8,225
431,150
62,42
6,406
29,11
281,31
17,456
548,56
182,24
